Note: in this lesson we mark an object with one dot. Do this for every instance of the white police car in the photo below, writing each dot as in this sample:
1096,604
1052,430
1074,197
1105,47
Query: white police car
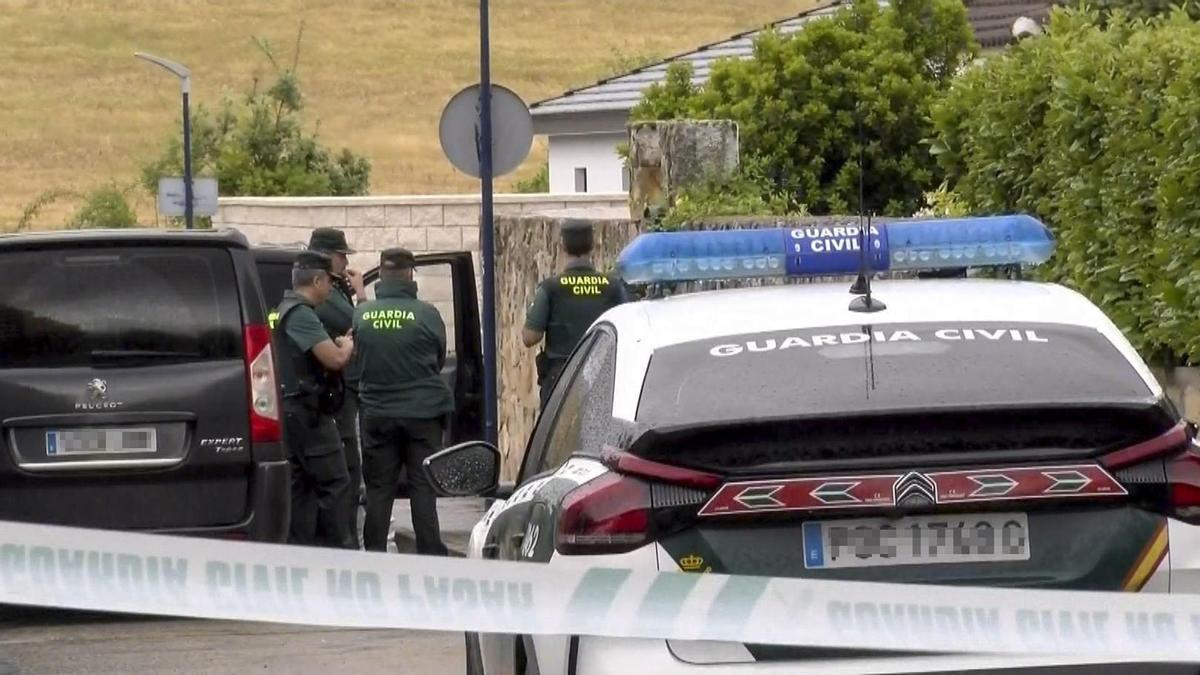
950,431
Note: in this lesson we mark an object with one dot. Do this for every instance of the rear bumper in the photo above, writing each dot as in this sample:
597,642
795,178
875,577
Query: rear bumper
270,508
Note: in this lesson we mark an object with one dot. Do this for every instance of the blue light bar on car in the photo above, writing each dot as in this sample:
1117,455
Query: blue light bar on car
825,250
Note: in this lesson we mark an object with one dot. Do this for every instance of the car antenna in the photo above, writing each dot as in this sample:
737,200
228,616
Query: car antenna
862,285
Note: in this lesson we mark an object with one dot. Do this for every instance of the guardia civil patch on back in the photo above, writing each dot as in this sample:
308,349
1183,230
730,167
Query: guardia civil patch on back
388,319
584,284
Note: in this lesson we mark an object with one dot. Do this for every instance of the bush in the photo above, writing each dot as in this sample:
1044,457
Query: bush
537,183
1140,9
743,194
258,146
105,207
1094,129
800,101
34,208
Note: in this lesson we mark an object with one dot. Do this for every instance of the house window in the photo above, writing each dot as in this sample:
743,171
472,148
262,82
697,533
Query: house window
580,179
625,179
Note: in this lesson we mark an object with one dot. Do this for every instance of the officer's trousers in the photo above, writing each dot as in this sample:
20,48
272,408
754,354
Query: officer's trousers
347,422
548,379
319,479
390,444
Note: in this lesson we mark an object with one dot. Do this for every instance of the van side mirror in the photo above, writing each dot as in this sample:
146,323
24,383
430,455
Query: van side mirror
465,470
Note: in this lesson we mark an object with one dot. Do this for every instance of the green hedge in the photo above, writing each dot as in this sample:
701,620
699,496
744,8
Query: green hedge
810,104
1097,131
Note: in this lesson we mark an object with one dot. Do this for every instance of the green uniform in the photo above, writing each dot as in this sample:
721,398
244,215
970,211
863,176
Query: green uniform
402,343
337,316
564,307
319,476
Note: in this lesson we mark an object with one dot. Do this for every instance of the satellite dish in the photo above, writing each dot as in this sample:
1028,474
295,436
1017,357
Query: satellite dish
512,130
1025,27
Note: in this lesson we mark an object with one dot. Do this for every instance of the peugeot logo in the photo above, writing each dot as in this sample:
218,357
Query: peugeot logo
914,489
97,389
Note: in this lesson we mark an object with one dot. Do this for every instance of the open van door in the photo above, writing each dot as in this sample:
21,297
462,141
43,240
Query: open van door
447,281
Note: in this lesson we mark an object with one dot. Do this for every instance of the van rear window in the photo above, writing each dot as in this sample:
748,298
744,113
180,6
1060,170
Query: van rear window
100,306
837,371
275,277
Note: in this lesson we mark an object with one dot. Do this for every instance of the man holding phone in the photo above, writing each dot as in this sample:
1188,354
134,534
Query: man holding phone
337,315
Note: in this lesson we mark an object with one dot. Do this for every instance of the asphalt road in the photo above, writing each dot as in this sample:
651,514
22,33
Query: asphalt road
45,641
42,641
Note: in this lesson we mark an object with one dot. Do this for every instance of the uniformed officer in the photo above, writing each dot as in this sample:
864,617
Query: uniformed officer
566,305
405,401
337,315
308,357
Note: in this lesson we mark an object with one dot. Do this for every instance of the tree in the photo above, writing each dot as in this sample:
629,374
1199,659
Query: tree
1138,9
537,183
105,207
258,145
808,104
1093,128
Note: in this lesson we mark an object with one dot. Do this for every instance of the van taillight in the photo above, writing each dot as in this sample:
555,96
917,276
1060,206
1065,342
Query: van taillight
264,396
610,514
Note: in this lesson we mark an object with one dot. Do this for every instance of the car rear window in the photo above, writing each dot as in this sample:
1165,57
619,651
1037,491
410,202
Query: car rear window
883,368
98,306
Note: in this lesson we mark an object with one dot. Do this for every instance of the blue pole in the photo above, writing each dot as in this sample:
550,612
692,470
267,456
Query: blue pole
187,162
487,229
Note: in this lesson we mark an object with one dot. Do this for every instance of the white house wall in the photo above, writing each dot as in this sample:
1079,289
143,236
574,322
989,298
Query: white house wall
596,153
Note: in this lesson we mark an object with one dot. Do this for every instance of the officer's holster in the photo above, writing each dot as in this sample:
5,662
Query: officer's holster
548,369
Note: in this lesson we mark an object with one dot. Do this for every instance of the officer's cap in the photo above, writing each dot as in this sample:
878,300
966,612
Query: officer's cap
577,236
329,240
576,226
313,260
397,259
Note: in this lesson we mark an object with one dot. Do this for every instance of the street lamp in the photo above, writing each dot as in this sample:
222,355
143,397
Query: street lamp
185,88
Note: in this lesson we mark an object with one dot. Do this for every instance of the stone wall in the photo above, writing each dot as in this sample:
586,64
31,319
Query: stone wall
666,157
1182,386
528,250
423,224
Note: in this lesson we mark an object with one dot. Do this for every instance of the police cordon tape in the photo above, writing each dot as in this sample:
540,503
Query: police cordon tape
204,578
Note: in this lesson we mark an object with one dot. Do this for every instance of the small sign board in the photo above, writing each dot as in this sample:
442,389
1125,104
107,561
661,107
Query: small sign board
171,196
512,130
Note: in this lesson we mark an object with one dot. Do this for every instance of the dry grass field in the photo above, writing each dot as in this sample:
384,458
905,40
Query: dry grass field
77,110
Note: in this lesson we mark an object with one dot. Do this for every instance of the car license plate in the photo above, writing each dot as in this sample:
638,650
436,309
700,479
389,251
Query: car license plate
100,441
916,540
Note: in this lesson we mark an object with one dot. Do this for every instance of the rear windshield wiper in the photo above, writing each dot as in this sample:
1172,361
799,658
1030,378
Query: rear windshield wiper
139,354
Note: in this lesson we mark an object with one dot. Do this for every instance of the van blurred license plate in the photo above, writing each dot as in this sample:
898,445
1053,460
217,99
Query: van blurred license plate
916,540
100,441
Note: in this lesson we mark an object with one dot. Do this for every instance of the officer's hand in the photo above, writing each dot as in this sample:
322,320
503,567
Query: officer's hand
356,282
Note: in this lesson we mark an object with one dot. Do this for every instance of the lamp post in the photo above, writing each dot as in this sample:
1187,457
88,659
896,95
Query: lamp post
185,88
487,230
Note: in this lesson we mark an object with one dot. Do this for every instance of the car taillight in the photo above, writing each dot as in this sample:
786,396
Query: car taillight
609,514
1171,441
1169,466
626,463
1183,482
264,397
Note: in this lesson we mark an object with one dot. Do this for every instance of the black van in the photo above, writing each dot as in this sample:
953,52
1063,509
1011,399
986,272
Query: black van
445,279
137,385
